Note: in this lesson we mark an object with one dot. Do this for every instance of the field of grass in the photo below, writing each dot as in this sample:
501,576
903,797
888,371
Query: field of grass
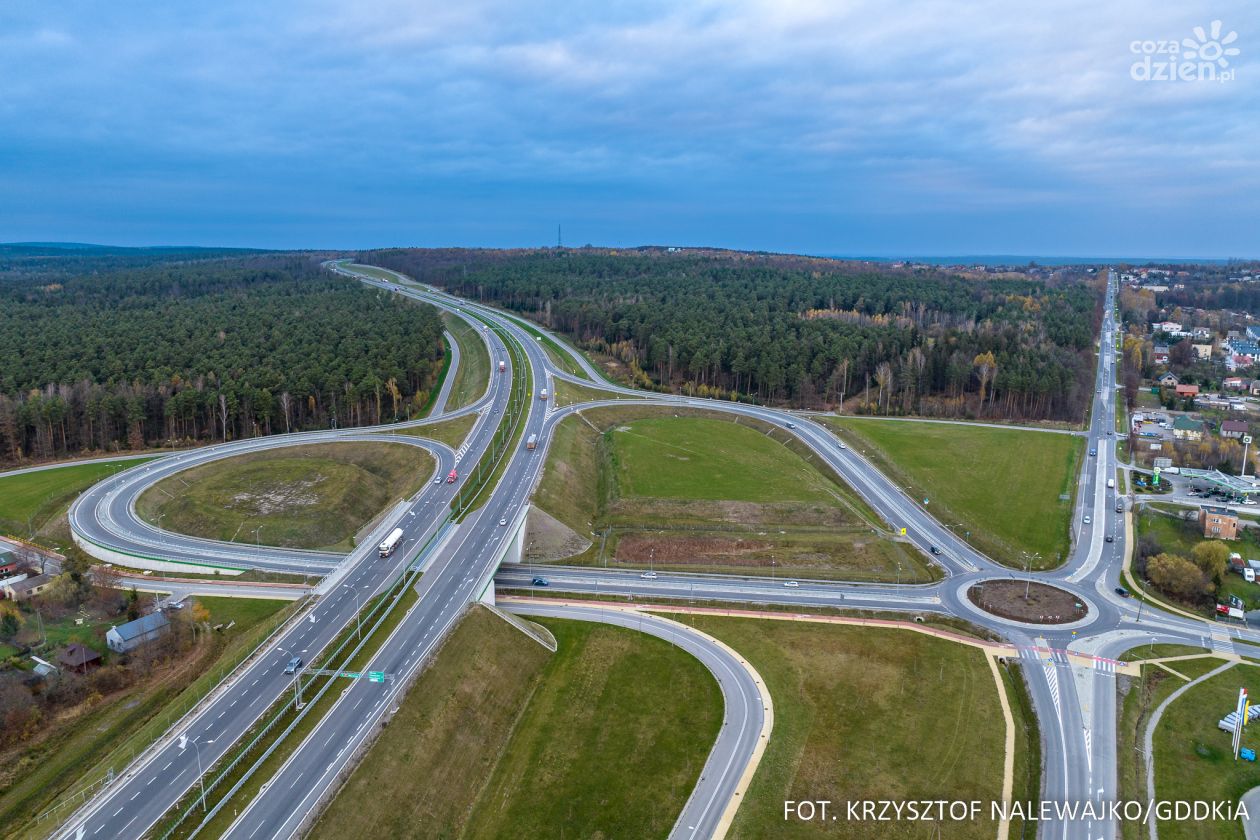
1160,651
499,738
642,485
1194,760
106,737
314,496
862,713
568,393
1002,487
473,375
451,432
27,501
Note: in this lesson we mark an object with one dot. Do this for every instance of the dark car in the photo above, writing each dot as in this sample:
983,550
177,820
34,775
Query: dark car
935,551
1109,538
540,581
1093,452
294,664
1122,592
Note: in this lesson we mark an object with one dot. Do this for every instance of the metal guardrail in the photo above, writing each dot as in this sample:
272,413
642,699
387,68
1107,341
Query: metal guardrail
407,575
193,709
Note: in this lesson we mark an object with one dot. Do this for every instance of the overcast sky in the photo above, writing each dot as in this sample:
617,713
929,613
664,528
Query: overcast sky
828,127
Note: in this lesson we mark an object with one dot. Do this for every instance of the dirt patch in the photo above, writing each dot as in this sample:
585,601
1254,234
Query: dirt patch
547,539
763,516
1043,604
699,550
279,499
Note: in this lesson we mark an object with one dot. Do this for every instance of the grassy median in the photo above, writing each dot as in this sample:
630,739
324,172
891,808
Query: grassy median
473,375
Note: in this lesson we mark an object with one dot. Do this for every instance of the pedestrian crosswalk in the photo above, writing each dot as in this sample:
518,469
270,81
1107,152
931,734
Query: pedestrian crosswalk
1061,658
1220,641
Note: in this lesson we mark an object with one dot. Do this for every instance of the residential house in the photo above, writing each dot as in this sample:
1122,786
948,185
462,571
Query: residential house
1235,383
1186,429
1255,388
8,561
133,634
1253,333
1168,380
79,658
1160,354
1202,351
1166,327
1233,428
1201,334
1184,391
26,587
1235,362
1218,523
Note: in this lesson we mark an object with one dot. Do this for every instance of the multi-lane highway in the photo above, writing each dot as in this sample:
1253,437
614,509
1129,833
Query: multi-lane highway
1075,705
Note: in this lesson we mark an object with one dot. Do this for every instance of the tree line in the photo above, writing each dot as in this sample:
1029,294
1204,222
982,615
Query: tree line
799,331
203,350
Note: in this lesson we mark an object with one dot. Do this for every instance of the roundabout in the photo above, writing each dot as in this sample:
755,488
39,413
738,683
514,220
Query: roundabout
1028,602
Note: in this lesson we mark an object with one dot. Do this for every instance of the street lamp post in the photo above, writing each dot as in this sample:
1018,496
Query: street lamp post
358,612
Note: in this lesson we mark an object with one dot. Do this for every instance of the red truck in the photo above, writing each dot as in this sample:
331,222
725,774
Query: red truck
451,477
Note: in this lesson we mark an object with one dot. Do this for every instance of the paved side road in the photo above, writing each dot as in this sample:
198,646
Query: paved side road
746,722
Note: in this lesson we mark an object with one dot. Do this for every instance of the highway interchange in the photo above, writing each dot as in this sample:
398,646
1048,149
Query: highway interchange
1075,705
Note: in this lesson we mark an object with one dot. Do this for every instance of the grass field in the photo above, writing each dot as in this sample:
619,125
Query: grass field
1002,487
1194,760
499,738
642,485
315,496
1160,651
106,737
28,500
451,432
862,713
473,375
568,393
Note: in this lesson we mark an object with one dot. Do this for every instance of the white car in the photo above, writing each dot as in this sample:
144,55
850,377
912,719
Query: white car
1088,520
437,480
648,575
502,522
842,446
791,584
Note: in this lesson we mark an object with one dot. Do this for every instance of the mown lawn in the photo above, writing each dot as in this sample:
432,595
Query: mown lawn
694,458
314,496
30,499
862,713
998,488
1194,759
499,738
686,490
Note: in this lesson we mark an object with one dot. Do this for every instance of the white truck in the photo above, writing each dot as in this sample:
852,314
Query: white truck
1111,483
542,395
391,542
502,366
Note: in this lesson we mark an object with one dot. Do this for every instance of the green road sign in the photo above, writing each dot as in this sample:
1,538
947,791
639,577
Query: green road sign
354,675
376,676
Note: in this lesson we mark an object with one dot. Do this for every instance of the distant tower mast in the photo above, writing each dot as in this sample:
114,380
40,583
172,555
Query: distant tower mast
558,241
